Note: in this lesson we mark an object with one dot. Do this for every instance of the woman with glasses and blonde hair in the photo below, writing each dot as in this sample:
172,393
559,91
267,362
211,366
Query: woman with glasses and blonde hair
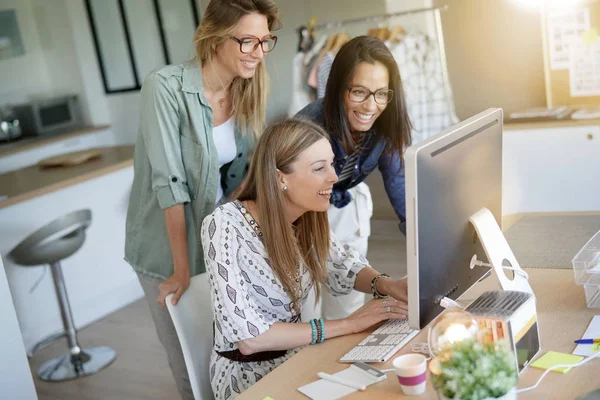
196,121
365,113
265,251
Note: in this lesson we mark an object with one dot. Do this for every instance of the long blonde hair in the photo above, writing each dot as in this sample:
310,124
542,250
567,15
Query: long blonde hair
307,241
249,96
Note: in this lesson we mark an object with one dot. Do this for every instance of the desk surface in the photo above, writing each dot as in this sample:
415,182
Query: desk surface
515,125
562,315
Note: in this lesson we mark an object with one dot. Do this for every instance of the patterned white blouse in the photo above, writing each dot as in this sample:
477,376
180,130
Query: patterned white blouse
248,298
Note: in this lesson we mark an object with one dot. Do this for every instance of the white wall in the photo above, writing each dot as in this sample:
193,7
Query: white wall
15,376
83,49
49,66
54,30
24,75
124,109
421,21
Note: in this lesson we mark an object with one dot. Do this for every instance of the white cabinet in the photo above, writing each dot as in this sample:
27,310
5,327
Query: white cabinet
25,158
551,169
15,376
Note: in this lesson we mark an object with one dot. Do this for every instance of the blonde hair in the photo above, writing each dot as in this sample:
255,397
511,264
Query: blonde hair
218,23
305,242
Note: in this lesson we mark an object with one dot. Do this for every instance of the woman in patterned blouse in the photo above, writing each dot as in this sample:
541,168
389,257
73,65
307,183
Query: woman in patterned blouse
265,251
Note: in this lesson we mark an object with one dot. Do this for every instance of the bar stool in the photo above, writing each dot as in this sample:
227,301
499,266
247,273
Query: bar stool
49,245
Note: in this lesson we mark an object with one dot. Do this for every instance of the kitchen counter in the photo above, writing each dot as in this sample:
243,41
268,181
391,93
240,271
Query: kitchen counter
30,182
514,125
28,143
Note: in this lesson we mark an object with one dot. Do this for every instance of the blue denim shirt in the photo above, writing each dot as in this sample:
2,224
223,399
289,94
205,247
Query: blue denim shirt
390,166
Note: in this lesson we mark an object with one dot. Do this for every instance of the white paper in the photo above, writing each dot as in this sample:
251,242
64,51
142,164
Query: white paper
584,69
593,331
564,26
327,390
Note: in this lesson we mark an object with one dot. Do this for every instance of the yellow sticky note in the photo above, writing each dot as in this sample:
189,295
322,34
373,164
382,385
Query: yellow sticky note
595,347
590,36
268,398
553,358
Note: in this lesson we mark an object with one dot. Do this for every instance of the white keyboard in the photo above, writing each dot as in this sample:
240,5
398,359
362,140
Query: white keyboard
383,343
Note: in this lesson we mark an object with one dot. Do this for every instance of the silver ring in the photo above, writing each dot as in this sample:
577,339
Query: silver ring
388,309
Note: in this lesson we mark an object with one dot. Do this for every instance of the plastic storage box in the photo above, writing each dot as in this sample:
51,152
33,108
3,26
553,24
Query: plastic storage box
586,266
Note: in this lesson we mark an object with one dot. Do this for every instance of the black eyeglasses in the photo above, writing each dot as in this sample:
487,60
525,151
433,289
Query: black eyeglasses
248,45
358,94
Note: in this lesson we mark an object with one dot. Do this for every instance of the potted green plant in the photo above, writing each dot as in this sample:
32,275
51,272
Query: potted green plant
471,370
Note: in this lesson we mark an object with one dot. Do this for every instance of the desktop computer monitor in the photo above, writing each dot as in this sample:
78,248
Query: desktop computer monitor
449,177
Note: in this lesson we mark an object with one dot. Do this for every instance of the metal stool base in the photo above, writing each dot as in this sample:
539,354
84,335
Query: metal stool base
66,367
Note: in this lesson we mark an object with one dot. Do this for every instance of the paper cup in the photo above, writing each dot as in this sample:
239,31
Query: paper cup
411,371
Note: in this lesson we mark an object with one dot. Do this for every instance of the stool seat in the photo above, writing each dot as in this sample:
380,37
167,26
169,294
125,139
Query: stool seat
54,242
51,244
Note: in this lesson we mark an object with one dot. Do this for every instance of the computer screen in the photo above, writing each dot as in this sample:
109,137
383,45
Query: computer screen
449,177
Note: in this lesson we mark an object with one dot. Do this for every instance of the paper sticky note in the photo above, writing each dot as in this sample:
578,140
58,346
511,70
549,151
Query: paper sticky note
553,358
590,36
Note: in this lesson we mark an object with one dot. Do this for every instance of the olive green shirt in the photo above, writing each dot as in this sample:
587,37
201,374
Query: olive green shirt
175,161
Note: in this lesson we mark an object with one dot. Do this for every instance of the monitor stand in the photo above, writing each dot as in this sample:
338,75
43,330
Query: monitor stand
498,252
525,337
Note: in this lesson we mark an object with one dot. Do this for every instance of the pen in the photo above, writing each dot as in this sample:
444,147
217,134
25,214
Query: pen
341,381
587,341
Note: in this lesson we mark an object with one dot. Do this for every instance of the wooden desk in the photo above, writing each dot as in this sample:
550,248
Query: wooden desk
562,314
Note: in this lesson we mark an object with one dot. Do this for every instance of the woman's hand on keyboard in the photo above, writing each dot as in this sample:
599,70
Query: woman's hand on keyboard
376,311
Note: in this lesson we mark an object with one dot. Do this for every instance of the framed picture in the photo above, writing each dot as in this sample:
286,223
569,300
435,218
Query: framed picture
11,44
133,37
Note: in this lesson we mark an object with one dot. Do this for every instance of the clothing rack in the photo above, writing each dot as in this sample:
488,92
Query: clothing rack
379,18
384,17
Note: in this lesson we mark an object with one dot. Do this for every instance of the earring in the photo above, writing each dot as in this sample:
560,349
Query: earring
284,188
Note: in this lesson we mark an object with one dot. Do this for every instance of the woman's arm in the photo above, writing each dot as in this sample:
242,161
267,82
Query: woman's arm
284,336
348,270
392,173
395,288
180,280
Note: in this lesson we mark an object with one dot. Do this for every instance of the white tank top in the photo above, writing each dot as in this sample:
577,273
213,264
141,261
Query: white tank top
224,139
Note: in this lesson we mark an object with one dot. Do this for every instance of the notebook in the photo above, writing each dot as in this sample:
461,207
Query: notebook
360,373
593,331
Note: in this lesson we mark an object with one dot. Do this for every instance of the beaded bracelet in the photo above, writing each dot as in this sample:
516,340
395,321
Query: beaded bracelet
313,326
322,325
318,330
376,294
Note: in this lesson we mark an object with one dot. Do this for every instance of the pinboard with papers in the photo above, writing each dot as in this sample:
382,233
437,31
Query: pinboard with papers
571,41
